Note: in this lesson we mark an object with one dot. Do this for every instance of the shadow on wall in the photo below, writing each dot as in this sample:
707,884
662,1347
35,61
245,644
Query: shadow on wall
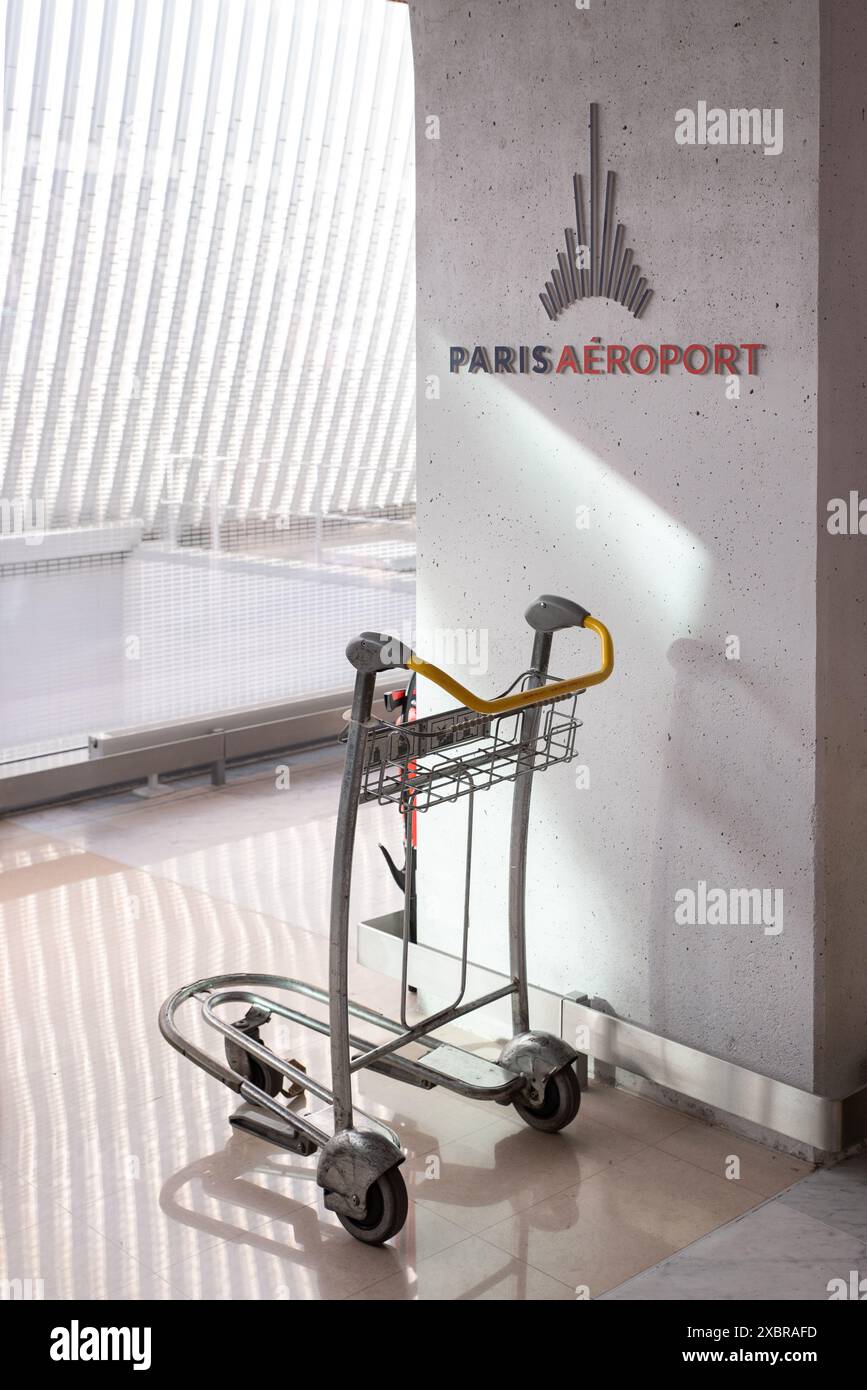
699,766
742,810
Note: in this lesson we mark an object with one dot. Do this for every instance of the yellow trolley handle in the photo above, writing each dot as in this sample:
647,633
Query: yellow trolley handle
373,652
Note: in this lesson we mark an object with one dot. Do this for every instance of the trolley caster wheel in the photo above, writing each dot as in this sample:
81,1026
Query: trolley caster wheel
387,1207
257,1073
266,1078
557,1107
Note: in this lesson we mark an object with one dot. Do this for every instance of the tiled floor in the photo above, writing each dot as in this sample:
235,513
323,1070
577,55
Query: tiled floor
121,1176
805,1244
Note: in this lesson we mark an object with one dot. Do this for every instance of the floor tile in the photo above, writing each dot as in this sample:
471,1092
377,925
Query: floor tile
300,1256
761,1170
11,830
473,1270
643,1119
423,1120
480,1180
21,847
167,1215
262,1269
248,843
426,1233
19,1204
71,1260
58,871
835,1195
620,1221
145,1286
772,1253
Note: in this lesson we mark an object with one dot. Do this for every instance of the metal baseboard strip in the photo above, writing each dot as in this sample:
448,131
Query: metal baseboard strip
45,786
300,717
826,1124
761,1100
130,756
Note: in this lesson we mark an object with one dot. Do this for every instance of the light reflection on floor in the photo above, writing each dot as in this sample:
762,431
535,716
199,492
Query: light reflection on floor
120,1174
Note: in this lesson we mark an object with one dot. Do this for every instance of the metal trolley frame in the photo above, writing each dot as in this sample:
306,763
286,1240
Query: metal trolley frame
439,758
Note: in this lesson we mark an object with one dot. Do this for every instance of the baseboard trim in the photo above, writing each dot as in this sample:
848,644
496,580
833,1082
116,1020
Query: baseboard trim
825,1125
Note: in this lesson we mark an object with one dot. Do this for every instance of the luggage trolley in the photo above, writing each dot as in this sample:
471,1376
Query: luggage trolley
416,766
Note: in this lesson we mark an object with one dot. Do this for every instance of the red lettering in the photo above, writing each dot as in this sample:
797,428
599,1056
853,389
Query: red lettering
751,349
724,357
591,351
568,360
635,355
687,353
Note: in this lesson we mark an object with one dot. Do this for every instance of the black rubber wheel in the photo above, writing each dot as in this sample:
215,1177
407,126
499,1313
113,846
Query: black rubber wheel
387,1206
558,1106
261,1075
266,1078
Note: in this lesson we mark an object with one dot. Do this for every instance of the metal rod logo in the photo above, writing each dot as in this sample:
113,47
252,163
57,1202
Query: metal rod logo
607,271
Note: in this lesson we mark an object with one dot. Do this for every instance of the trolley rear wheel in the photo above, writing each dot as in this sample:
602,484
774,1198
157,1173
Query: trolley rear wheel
387,1207
268,1079
558,1106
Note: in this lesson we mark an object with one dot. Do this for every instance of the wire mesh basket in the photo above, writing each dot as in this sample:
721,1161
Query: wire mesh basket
445,756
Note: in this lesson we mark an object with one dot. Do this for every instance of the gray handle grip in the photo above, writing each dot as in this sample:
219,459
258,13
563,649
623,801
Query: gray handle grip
550,614
376,651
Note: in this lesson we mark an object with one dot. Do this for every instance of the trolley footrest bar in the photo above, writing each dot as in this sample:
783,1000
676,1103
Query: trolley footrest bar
429,1025
456,1065
283,1135
397,1069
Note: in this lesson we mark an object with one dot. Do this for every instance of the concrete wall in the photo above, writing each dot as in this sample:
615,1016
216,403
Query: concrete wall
841,599
702,508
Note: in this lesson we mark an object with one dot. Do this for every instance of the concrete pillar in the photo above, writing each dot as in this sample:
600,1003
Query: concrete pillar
729,748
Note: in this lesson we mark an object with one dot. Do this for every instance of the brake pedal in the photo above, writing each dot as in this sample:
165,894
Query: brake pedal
293,1089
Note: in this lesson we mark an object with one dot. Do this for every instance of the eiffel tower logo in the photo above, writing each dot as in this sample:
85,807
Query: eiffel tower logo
605,270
